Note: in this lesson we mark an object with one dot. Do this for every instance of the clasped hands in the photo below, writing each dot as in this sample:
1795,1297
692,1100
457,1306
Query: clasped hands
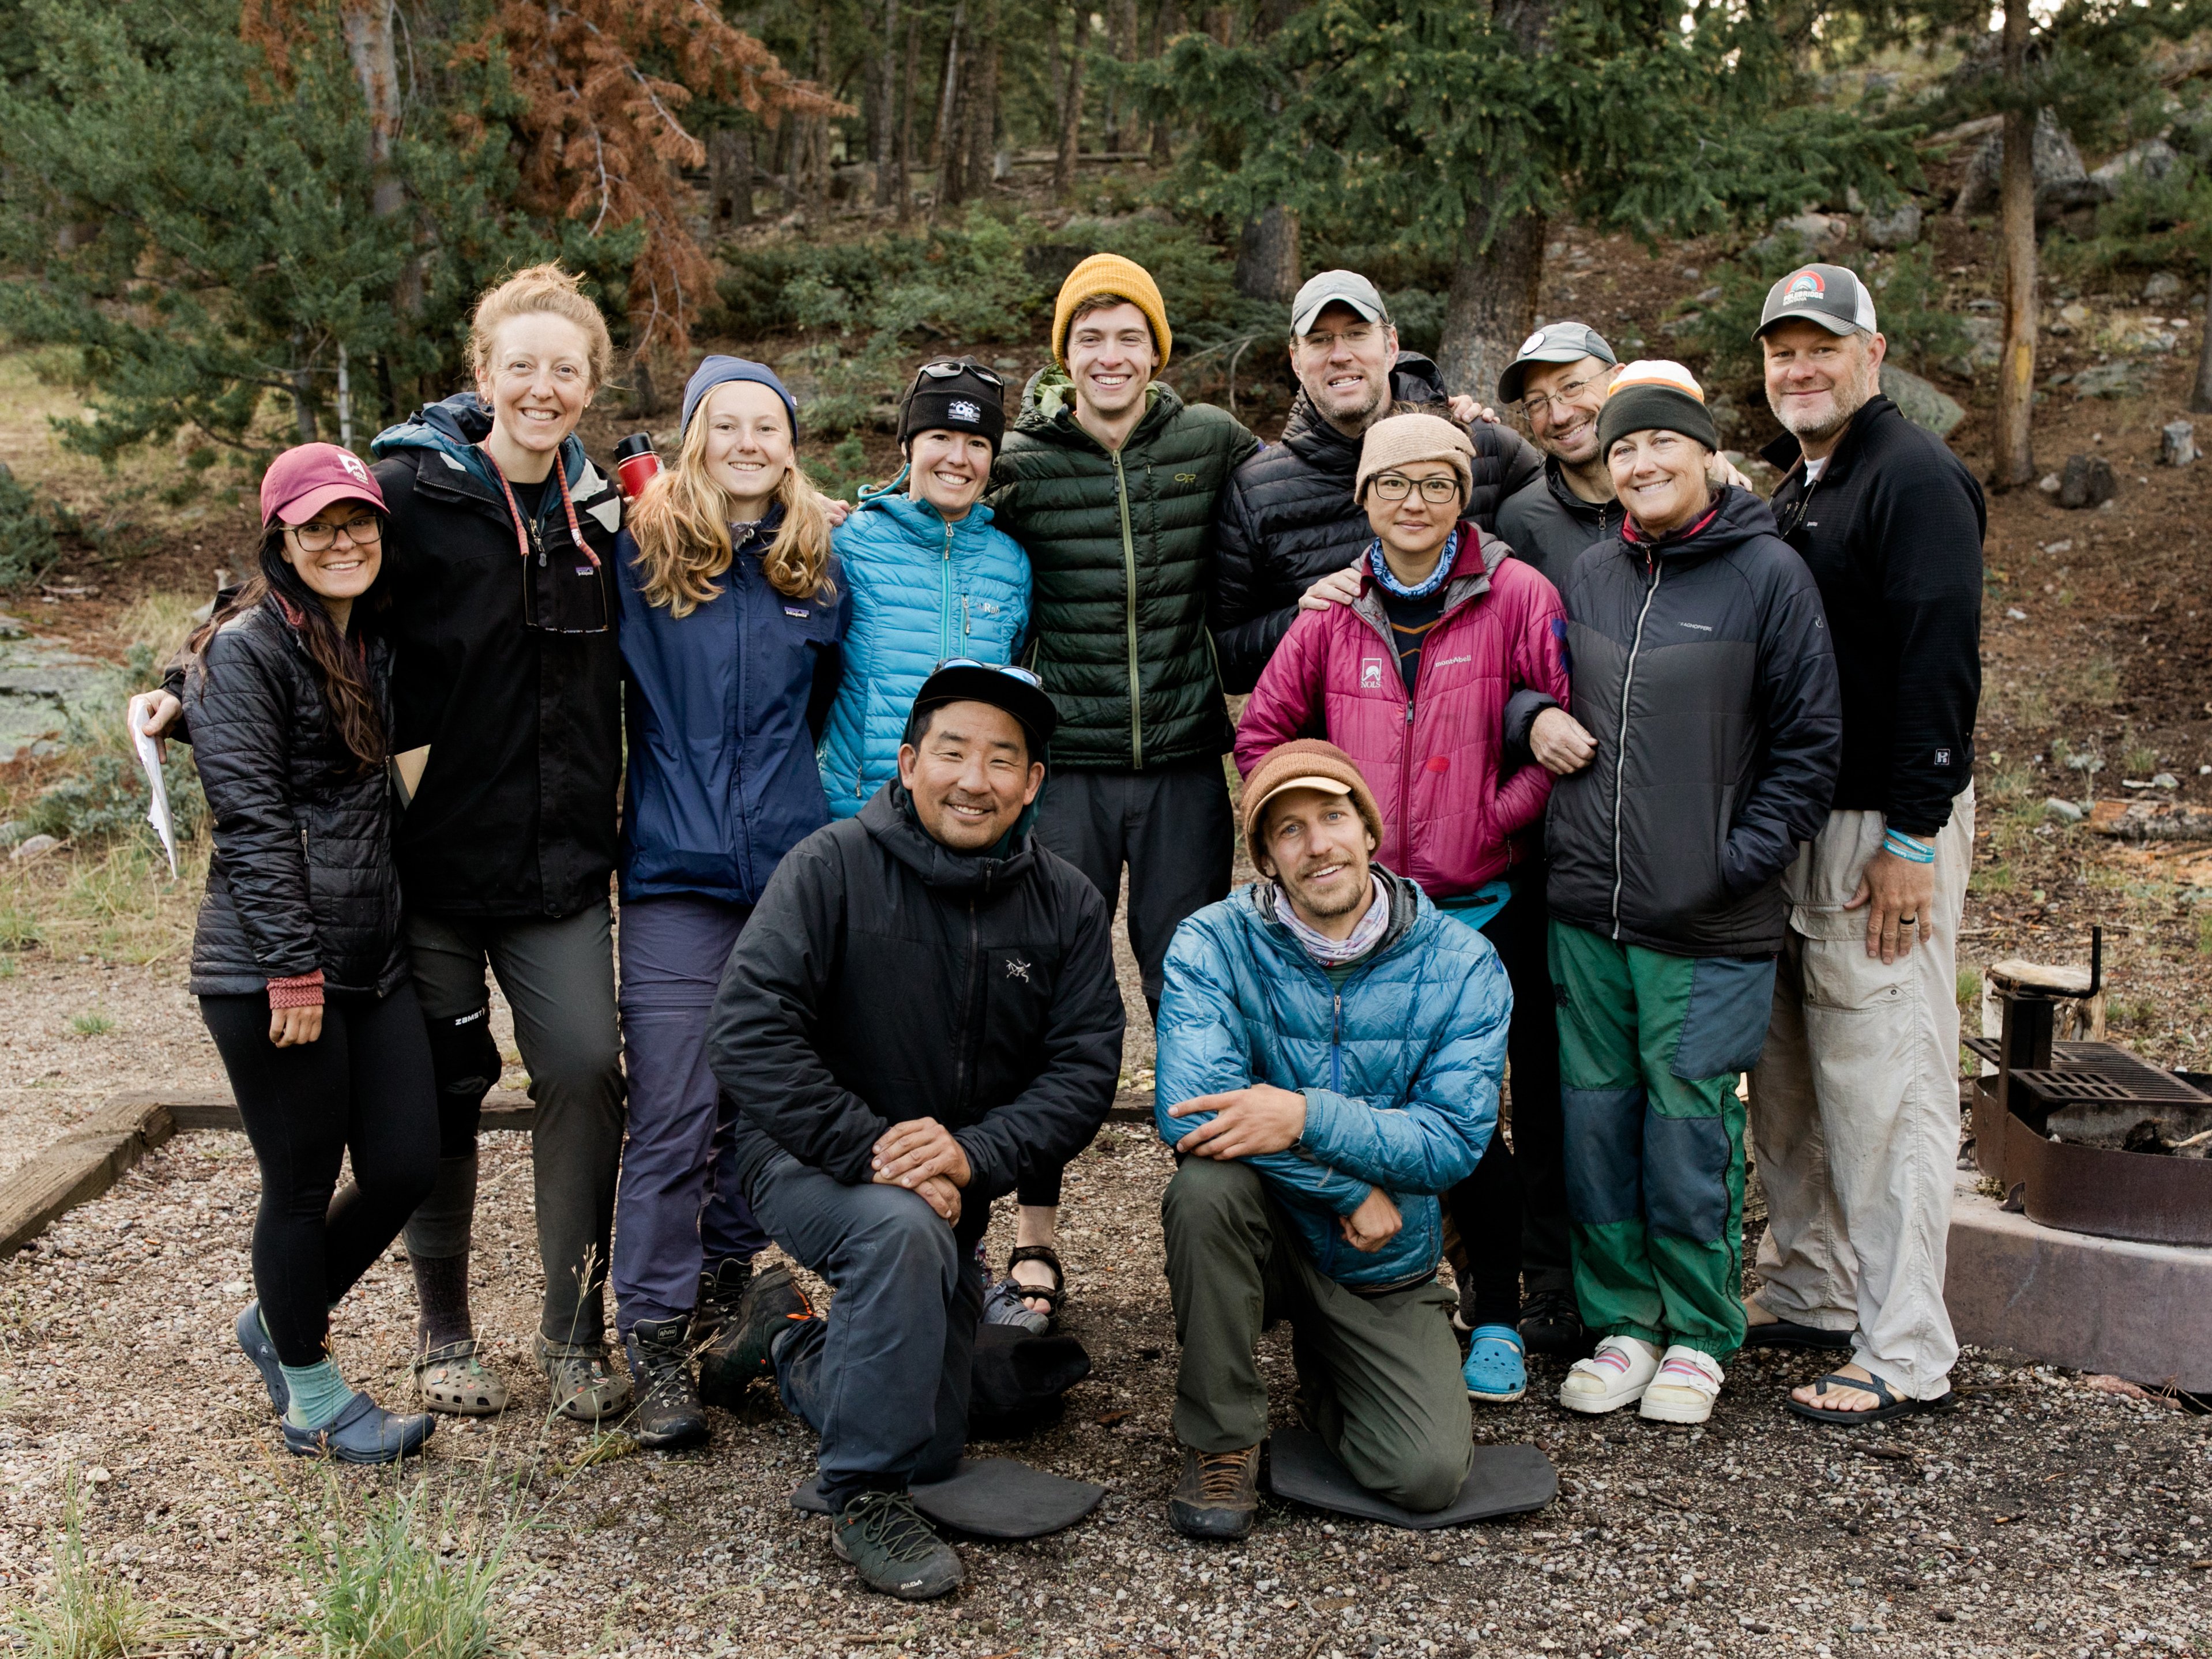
1252,1122
921,1156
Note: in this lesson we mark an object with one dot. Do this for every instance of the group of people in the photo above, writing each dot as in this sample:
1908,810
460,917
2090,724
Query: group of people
1580,781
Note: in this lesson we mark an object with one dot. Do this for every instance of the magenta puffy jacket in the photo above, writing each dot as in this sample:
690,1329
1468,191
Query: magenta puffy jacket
1450,822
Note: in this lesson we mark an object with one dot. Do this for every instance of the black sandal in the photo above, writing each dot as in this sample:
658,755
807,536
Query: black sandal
1052,1295
1891,1406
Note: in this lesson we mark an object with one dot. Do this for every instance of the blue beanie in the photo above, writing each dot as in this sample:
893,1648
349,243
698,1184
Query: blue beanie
720,371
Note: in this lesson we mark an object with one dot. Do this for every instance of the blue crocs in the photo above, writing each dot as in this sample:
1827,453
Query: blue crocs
262,1352
1497,1370
363,1433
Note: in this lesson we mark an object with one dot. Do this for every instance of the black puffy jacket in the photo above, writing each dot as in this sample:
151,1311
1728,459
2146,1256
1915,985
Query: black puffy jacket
1701,664
1288,518
302,876
884,977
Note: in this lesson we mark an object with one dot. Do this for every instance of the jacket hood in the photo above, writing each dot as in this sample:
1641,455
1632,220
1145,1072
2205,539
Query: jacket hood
889,818
454,426
1048,405
1737,516
919,518
1407,900
1413,380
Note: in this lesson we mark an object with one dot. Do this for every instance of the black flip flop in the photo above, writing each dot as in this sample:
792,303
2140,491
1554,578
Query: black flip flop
1788,1334
1891,1405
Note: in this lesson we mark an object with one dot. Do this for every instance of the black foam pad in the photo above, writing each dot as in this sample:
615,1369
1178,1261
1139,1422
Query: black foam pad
1503,1481
990,1497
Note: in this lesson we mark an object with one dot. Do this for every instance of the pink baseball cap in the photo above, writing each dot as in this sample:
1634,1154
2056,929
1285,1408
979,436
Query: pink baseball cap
300,483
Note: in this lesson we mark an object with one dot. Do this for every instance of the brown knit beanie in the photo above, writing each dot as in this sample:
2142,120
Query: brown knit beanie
1305,764
1404,437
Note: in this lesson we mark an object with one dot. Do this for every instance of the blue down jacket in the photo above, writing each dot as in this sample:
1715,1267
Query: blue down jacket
720,706
1399,1069
922,591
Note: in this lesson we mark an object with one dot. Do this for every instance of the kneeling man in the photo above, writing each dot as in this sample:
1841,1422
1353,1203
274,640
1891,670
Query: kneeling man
922,1012
1330,1052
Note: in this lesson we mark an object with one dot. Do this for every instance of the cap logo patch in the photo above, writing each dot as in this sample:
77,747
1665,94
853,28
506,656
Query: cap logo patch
1531,343
963,410
1805,285
351,463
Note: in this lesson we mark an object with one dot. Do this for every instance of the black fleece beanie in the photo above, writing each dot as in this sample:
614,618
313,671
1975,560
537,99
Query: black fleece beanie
965,401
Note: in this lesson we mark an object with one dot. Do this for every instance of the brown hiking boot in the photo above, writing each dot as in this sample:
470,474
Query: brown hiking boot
1218,1496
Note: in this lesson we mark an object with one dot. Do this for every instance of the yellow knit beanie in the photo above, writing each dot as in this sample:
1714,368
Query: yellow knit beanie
1104,274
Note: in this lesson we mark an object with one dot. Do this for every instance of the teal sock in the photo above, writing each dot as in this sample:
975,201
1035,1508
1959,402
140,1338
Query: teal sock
318,1394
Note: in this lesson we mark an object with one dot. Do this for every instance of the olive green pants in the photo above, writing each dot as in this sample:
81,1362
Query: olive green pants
1379,1374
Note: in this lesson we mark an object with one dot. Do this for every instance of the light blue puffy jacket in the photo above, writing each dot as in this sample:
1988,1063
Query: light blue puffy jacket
1399,1069
922,591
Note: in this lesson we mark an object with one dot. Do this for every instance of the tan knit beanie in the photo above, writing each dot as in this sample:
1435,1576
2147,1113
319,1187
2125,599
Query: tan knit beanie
1404,437
1305,764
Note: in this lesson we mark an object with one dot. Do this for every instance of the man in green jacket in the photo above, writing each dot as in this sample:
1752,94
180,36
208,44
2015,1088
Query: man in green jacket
1109,481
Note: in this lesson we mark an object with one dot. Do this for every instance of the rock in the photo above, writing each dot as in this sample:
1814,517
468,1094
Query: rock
2116,380
2151,820
35,846
2153,158
42,682
13,628
2064,811
2086,482
1806,236
13,831
2177,443
1899,228
2076,315
2165,781
1984,347
2048,483
1984,305
2163,285
2061,180
1923,404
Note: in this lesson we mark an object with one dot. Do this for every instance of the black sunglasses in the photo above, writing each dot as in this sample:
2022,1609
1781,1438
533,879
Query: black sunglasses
946,369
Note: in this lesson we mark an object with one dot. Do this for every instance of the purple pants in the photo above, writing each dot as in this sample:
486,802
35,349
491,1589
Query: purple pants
671,1215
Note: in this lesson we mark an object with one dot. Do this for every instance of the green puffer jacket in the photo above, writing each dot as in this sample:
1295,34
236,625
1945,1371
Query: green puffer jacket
1122,548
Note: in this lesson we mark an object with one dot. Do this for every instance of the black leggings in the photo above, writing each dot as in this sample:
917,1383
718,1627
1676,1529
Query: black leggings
363,1087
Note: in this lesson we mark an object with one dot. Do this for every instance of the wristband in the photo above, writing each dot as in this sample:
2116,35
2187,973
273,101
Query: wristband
299,991
1900,845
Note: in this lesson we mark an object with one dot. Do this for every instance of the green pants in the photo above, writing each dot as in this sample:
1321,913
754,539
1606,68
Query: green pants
1379,1374
1650,1047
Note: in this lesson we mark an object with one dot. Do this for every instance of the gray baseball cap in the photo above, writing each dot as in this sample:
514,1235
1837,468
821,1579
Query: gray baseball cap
1830,295
1554,343
1337,287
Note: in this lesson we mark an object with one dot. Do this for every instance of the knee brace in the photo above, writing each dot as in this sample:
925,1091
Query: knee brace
465,1062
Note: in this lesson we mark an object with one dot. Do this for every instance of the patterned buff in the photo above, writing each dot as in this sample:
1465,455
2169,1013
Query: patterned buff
1429,584
1333,952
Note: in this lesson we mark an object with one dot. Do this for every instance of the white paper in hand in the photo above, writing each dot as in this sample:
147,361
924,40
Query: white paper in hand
158,813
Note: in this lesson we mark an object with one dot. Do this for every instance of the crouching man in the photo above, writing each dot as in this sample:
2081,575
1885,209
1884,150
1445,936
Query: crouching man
1330,1052
922,1012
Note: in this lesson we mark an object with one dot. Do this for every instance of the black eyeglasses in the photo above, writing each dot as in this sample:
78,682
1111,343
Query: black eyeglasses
1395,487
1008,669
946,369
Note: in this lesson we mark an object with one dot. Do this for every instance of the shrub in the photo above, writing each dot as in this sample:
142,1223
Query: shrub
88,1614
28,532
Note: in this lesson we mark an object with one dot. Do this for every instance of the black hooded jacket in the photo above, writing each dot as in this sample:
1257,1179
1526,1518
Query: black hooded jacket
302,876
1546,524
1702,666
1287,517
883,977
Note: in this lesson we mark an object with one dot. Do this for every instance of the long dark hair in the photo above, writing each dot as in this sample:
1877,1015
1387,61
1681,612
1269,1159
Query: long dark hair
340,660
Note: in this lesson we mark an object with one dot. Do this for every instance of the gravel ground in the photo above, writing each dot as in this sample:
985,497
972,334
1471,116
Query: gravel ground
2044,1516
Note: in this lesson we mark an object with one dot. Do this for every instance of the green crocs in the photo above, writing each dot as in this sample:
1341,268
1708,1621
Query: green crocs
452,1379
584,1390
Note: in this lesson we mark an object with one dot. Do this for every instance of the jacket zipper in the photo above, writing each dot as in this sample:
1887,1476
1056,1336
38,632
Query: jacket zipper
971,1016
1405,749
1620,739
944,604
1336,1044
1130,581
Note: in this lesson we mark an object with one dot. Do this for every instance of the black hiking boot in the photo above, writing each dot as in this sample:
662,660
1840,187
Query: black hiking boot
1552,1323
737,1354
668,1414
893,1549
1218,1496
721,1292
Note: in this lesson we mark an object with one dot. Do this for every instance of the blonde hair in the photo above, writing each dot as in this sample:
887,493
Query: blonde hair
681,525
542,288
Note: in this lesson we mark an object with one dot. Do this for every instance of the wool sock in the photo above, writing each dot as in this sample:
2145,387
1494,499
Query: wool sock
318,1394
442,1300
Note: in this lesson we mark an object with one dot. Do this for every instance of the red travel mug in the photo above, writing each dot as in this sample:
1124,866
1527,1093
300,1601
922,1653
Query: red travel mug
636,464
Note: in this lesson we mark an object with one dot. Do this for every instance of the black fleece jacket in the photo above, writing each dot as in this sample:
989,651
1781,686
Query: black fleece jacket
1892,530
883,977
1288,519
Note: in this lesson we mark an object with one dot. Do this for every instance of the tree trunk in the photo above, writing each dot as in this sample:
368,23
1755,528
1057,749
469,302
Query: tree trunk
1071,111
2013,462
1122,20
902,151
981,103
1268,256
1167,23
891,188
2200,399
368,38
730,175
943,145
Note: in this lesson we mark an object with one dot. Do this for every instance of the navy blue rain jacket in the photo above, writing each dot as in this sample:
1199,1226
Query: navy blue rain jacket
722,708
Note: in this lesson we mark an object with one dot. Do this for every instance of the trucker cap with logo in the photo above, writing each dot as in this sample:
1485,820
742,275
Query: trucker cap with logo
1554,343
1337,287
1830,295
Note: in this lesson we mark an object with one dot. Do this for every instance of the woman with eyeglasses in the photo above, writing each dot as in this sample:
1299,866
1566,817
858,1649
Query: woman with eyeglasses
733,610
297,959
1411,679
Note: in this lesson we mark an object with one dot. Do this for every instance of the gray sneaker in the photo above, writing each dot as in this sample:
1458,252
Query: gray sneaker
893,1549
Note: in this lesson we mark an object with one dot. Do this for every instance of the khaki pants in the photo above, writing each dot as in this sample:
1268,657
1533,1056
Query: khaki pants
1855,1111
